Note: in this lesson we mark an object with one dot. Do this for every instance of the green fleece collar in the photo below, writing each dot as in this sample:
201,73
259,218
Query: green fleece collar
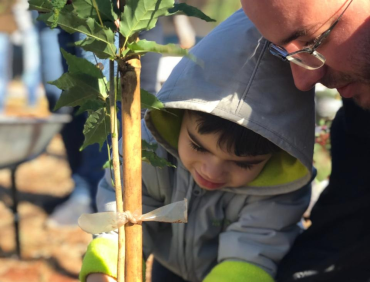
168,124
281,169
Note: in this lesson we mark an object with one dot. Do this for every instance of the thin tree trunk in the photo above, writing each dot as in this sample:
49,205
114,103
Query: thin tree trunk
131,163
117,174
131,144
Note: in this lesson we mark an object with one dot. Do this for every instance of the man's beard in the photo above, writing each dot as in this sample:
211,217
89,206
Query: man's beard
362,99
334,79
363,103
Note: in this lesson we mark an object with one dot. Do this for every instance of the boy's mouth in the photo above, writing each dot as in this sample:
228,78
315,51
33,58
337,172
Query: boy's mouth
204,183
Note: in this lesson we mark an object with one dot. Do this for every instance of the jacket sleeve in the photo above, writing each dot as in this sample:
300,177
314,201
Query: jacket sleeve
264,233
101,255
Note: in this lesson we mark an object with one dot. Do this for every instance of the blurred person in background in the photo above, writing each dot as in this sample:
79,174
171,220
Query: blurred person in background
16,22
7,26
86,166
332,39
184,31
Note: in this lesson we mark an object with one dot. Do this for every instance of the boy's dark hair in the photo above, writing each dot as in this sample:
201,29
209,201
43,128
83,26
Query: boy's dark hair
233,136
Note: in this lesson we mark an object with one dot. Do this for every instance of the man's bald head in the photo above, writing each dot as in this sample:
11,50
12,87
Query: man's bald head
294,25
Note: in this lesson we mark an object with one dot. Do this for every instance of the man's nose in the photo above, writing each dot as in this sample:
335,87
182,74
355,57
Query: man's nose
305,79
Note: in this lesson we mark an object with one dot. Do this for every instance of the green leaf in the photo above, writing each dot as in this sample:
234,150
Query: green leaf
54,8
96,129
90,106
78,65
43,6
108,164
73,97
149,155
148,146
142,15
99,48
85,9
144,46
79,89
57,6
150,101
124,52
189,11
154,160
71,23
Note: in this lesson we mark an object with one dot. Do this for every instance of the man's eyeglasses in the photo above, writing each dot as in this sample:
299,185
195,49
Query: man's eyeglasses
307,58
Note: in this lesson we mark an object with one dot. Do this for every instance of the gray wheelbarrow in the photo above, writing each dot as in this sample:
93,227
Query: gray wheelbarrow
23,139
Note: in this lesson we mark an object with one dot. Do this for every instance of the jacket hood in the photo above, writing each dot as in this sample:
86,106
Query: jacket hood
241,81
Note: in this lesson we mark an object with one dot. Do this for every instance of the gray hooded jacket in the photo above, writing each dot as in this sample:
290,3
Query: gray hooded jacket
239,81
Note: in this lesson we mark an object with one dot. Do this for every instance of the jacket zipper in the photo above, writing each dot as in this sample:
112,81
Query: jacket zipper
196,193
181,260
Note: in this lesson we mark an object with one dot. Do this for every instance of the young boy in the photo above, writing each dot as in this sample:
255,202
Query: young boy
241,137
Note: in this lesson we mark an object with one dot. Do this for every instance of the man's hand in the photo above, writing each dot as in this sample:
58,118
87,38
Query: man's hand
99,277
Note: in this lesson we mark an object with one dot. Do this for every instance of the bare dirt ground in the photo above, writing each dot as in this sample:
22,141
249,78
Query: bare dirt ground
48,254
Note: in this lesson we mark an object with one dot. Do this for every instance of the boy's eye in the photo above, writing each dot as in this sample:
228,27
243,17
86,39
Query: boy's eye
244,165
197,148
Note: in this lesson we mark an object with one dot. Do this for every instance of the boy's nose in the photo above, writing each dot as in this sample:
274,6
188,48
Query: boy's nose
213,171
305,79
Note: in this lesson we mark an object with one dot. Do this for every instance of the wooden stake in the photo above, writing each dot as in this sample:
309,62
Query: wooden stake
117,174
131,144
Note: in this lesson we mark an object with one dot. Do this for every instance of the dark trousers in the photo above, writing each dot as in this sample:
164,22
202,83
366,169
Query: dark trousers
162,274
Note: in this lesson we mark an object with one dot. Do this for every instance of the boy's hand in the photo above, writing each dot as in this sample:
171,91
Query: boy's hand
99,277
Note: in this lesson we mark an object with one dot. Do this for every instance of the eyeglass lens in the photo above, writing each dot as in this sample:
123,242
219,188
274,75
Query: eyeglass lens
306,59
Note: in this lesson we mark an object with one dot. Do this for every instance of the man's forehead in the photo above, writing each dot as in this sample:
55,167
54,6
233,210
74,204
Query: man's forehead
297,32
282,21
280,8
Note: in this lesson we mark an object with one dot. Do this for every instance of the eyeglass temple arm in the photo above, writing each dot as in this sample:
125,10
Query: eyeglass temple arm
278,51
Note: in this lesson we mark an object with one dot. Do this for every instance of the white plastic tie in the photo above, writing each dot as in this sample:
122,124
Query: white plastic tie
101,222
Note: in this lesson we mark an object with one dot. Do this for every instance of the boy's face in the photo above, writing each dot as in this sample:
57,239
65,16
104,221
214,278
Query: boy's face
213,167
